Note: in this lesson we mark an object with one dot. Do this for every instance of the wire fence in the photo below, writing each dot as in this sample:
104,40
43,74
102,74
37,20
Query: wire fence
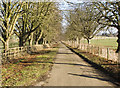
104,52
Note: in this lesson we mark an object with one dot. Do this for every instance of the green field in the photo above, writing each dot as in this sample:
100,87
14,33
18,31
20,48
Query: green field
103,42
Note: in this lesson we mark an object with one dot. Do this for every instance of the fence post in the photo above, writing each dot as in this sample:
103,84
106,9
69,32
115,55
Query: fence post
93,49
87,48
90,48
101,51
72,43
107,53
80,46
84,47
18,51
21,51
9,53
14,52
118,57
98,51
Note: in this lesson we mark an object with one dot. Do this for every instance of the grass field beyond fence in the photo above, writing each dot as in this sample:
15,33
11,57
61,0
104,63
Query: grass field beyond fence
112,42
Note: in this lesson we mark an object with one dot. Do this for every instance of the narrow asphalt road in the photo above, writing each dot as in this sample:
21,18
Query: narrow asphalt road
71,70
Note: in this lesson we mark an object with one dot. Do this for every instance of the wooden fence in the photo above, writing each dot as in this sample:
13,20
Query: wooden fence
16,52
104,52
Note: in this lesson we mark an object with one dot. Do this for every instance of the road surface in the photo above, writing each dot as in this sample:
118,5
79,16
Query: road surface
71,70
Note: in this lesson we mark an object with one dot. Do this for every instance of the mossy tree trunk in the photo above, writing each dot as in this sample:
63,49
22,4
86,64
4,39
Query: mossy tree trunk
6,45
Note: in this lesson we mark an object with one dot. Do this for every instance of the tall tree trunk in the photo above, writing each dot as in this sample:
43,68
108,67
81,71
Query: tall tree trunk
79,41
72,43
31,39
118,48
37,43
6,45
48,41
45,41
88,41
21,41
118,41
39,38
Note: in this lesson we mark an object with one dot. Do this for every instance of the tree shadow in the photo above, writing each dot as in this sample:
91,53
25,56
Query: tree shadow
96,66
61,47
73,64
103,79
110,64
67,49
39,52
43,62
64,53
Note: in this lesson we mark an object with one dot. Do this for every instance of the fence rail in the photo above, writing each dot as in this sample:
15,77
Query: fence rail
104,52
13,53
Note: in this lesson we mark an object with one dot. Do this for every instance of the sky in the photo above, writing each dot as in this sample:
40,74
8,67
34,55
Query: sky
65,6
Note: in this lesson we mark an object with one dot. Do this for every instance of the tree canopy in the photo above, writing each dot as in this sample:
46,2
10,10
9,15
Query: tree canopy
30,21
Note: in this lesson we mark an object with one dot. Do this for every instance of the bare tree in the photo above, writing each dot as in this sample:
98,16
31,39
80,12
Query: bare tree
30,20
83,21
10,12
109,15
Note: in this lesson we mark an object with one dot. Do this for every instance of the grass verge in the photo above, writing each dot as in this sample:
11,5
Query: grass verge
108,67
28,70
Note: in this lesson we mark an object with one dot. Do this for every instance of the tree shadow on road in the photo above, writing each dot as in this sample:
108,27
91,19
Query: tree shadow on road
94,77
64,53
42,62
73,64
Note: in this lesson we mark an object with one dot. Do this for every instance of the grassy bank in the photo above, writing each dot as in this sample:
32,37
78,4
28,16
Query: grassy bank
108,67
28,70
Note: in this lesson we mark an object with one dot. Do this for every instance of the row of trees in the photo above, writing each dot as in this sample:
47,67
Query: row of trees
89,18
83,23
30,21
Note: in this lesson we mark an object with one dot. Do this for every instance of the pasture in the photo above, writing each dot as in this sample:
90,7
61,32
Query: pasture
110,42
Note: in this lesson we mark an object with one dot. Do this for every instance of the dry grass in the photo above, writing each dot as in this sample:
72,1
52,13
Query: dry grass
27,70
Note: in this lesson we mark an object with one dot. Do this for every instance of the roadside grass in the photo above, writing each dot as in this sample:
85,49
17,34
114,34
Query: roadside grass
28,70
113,68
112,43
